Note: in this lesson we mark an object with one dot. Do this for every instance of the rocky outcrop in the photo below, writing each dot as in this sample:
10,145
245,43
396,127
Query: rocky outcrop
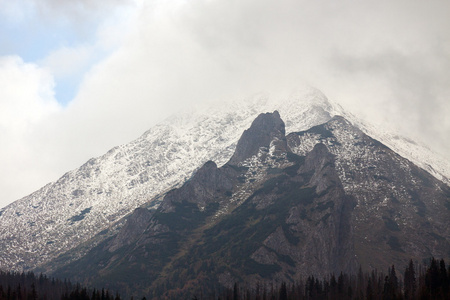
401,211
330,244
337,199
284,217
266,130
208,185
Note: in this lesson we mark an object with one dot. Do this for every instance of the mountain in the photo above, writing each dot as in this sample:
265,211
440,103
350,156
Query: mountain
95,198
240,221
402,211
314,202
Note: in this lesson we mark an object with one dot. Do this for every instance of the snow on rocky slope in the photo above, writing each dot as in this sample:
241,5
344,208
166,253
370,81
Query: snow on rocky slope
416,152
401,211
92,198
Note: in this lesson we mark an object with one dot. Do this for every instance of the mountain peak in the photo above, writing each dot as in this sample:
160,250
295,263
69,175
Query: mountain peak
266,130
103,191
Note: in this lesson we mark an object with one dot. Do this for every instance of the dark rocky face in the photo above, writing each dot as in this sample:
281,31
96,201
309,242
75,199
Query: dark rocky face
136,223
207,186
265,129
271,214
401,210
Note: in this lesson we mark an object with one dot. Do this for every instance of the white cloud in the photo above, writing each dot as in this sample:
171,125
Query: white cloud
66,61
78,12
26,95
378,58
26,99
385,60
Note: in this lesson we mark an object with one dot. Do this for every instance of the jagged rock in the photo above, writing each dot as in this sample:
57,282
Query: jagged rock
207,185
295,223
266,130
39,228
400,210
321,162
316,202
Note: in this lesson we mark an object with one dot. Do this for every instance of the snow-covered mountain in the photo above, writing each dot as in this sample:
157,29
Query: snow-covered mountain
96,196
312,203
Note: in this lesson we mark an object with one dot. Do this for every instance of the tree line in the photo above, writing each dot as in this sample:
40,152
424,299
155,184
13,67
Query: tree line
28,286
430,282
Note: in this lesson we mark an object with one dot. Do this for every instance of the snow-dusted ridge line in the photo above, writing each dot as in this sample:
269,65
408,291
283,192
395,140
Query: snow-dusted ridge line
414,151
92,198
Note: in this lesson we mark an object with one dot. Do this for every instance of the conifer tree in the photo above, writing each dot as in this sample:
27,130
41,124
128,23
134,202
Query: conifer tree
410,281
444,278
390,290
283,292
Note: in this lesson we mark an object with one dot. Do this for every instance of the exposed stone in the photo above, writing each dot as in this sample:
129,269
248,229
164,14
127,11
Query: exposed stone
265,129
133,228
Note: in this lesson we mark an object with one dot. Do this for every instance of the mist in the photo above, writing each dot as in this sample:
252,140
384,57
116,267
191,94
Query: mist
387,62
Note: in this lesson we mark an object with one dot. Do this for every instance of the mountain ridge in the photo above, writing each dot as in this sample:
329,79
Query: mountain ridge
97,196
245,204
321,204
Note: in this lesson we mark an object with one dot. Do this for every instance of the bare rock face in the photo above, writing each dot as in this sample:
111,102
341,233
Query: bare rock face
268,215
328,222
401,211
136,223
207,185
313,213
266,130
315,202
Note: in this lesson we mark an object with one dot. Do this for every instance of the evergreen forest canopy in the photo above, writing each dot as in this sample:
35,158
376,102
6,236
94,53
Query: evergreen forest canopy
28,286
429,282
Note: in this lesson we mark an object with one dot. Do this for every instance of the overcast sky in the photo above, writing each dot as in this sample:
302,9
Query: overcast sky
78,77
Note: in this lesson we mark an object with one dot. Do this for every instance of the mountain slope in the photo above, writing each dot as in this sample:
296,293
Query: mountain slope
314,202
265,215
95,197
402,211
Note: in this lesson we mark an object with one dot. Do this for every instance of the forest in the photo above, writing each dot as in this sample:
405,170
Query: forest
428,282
28,286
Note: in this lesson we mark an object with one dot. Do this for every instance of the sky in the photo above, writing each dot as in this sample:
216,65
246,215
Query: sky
79,77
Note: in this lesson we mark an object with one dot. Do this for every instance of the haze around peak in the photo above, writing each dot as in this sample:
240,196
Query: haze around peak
89,75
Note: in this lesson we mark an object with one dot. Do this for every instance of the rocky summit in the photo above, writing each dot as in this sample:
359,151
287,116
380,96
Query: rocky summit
63,220
95,197
314,202
401,210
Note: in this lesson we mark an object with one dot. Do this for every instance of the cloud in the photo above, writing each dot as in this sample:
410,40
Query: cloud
387,61
75,11
37,134
26,94
26,99
66,61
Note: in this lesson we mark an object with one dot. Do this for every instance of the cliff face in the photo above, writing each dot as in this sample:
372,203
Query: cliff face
315,202
135,226
92,200
63,220
268,214
401,211
266,130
